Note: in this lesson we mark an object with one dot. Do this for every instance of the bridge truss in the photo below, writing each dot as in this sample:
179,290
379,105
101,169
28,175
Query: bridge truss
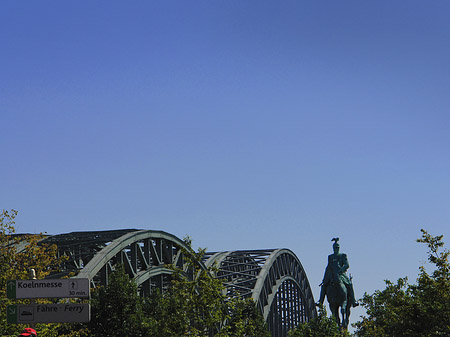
274,279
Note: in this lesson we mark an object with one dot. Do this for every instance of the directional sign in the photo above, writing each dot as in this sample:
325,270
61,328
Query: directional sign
77,287
48,313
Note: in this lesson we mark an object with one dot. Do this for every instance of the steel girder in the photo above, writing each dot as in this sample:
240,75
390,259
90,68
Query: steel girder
145,254
274,279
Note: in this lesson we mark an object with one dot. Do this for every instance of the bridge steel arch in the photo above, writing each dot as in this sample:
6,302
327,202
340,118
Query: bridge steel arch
274,279
145,254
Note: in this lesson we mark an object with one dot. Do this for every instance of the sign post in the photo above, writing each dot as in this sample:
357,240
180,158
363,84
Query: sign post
48,288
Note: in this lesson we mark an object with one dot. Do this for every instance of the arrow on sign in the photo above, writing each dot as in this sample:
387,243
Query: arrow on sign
11,289
11,314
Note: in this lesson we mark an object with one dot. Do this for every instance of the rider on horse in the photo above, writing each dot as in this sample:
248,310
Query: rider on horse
336,272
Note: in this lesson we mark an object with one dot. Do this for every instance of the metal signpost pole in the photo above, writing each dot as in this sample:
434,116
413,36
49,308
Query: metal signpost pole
32,301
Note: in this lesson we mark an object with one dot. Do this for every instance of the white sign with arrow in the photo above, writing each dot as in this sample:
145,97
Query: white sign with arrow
48,288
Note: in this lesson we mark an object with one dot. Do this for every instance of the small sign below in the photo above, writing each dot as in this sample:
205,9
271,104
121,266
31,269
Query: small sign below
48,313
48,288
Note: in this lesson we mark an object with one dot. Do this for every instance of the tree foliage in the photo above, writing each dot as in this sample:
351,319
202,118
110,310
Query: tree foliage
117,309
321,326
199,307
188,307
15,265
244,319
421,309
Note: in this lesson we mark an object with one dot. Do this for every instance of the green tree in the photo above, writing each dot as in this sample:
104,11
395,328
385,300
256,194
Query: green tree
321,326
244,319
199,307
15,264
117,309
187,308
421,309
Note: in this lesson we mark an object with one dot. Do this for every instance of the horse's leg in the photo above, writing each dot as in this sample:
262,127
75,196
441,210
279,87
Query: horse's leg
348,312
335,312
344,314
345,305
349,306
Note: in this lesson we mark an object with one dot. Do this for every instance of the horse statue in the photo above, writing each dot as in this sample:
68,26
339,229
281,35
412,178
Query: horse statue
338,297
337,286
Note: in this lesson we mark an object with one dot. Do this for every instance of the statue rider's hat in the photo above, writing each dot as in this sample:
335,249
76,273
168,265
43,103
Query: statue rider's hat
336,243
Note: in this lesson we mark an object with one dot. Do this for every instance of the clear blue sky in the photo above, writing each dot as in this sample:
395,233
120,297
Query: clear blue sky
244,124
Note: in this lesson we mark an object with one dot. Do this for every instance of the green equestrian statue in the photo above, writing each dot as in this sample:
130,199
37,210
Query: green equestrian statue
337,285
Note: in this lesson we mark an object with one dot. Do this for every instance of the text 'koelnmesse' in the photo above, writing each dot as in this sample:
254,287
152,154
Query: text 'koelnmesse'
37,284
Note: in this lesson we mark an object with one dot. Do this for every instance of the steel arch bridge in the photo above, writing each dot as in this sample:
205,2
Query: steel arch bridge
274,279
